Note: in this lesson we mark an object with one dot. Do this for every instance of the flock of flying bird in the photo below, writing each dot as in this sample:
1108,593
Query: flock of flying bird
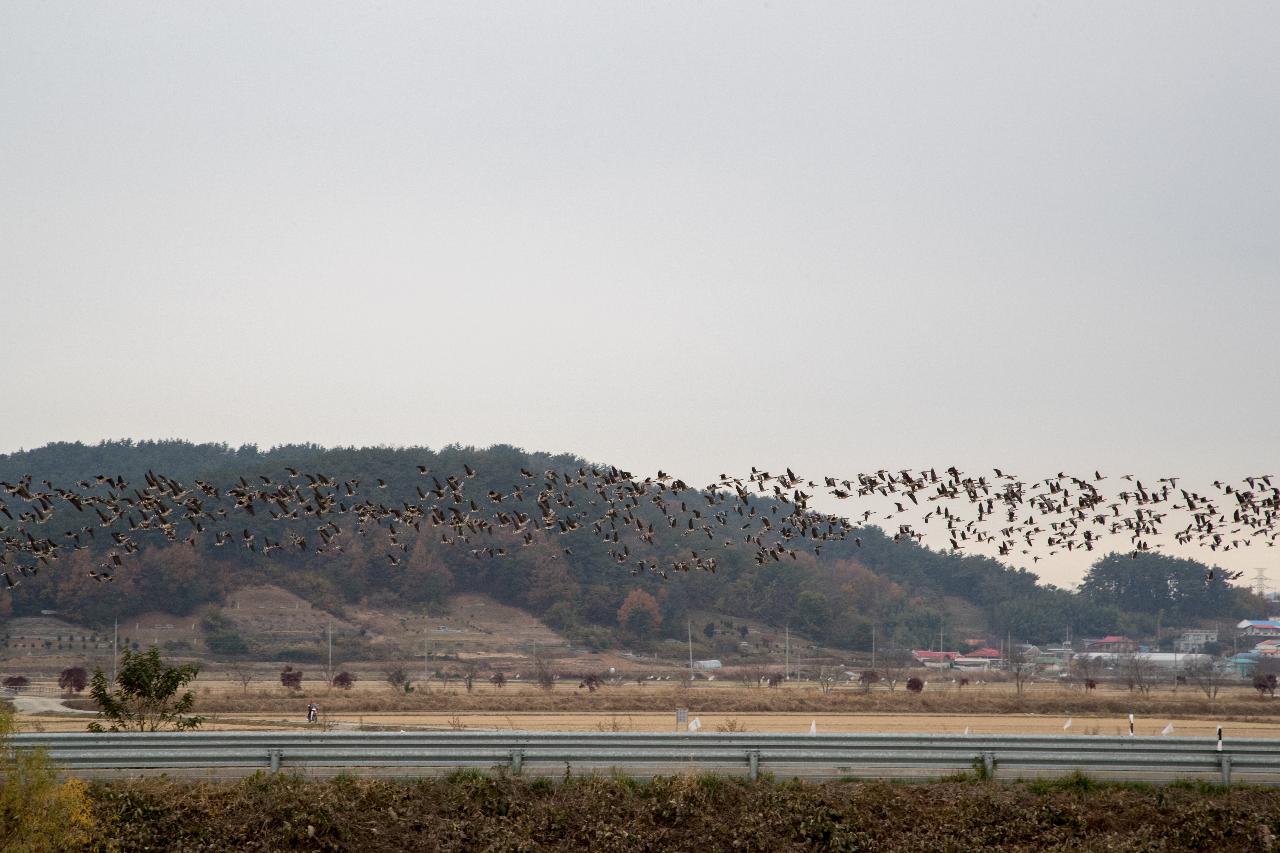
771,513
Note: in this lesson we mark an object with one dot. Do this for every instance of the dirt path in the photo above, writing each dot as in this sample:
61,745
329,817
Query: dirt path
43,705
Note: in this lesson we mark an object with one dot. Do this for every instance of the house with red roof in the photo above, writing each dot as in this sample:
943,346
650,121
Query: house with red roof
1113,644
1259,628
934,660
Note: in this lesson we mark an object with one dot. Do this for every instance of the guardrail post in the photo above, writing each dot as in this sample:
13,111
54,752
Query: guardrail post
517,761
753,764
1225,761
988,765
274,756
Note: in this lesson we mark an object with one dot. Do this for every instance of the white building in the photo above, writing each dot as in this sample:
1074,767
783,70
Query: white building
1194,641
1162,660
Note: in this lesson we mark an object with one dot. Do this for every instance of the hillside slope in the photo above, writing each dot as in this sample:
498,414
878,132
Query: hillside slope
574,578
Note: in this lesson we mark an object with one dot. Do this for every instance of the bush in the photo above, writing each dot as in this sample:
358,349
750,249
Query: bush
16,682
226,643
344,680
301,654
38,813
470,811
291,678
592,637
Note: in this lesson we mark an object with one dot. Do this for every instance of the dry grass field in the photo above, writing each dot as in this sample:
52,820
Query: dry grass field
476,633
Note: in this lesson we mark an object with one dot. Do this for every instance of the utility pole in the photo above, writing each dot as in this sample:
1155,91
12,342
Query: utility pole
115,651
688,624
786,666
330,672
873,648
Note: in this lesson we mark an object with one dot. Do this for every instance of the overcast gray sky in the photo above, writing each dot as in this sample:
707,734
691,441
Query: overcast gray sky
699,236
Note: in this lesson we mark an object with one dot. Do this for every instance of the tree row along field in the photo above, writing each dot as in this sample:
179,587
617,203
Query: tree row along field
1233,701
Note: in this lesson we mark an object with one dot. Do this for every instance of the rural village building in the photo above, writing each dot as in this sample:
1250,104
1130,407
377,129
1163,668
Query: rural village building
934,660
1194,641
984,658
1112,644
1259,628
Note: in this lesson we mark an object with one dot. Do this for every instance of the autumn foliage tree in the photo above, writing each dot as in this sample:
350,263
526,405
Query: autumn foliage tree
639,614
73,679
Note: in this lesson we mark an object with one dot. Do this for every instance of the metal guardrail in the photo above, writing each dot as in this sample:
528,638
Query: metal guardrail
231,754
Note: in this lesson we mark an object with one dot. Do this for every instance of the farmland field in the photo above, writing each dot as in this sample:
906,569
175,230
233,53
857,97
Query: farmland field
943,708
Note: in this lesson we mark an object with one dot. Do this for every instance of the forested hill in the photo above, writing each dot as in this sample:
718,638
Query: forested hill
572,579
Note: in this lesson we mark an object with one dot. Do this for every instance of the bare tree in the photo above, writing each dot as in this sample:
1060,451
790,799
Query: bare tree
243,673
1137,672
1085,670
469,671
897,667
498,680
543,675
828,677
755,676
1206,676
1023,668
396,676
